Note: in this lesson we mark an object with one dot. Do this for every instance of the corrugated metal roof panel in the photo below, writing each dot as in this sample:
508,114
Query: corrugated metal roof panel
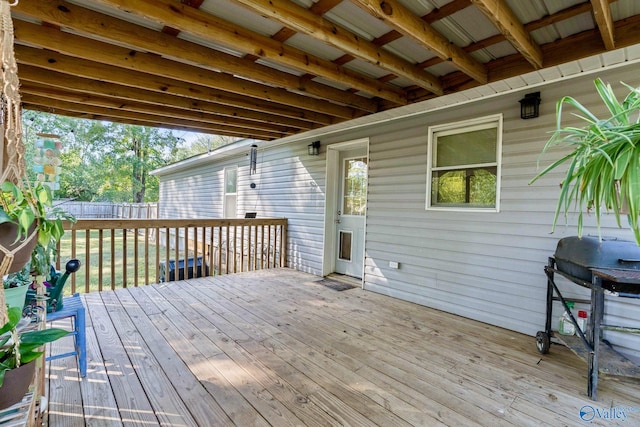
551,6
442,69
366,68
199,40
623,8
402,82
419,7
309,44
330,83
466,26
280,67
499,50
575,25
354,19
241,16
409,50
117,13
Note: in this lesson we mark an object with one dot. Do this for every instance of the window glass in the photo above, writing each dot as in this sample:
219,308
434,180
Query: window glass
355,187
230,201
466,148
230,180
464,167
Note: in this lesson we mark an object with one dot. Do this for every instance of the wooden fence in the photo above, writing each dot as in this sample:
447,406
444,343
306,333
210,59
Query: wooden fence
133,252
109,210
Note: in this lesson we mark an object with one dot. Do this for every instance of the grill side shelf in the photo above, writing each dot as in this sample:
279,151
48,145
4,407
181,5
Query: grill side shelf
611,362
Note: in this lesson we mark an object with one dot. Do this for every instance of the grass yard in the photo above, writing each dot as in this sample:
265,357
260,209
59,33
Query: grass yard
113,256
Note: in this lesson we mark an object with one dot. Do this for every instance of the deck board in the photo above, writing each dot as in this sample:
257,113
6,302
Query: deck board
273,348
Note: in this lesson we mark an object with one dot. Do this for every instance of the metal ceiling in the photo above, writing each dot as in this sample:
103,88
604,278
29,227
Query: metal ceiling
268,69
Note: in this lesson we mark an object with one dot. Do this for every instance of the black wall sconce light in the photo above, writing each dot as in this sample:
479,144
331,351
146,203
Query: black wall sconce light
314,148
530,106
253,159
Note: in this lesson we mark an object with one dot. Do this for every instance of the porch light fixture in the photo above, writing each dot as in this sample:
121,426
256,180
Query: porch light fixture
314,148
530,106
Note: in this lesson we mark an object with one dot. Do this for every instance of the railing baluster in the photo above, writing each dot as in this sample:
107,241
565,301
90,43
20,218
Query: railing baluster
136,257
219,248
100,255
227,250
124,256
211,252
219,244
87,255
242,247
269,246
73,256
235,248
176,251
146,255
262,247
113,259
156,258
203,236
167,245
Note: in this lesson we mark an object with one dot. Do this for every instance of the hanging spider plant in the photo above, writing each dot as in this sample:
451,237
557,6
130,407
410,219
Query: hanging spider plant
604,166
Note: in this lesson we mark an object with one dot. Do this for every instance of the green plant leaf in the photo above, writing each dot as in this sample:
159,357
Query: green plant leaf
604,156
14,314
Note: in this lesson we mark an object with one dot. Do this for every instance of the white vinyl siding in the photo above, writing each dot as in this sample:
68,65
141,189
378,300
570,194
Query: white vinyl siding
288,184
488,266
483,265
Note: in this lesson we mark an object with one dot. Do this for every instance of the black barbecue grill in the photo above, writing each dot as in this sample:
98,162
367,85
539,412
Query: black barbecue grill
577,257
607,265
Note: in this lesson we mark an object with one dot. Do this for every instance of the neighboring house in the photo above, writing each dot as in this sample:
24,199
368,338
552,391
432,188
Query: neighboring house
484,263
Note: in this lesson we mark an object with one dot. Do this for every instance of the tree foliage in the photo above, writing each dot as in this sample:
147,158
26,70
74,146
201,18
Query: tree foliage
103,161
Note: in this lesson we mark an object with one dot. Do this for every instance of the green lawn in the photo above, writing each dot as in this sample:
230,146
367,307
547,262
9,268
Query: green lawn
108,259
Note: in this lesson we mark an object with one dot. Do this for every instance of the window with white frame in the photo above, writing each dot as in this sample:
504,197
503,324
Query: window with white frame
230,191
464,165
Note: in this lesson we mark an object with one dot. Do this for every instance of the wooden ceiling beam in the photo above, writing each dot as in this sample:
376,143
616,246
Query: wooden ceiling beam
91,116
216,30
412,26
585,44
126,105
47,60
32,74
431,17
575,47
602,15
92,23
304,21
85,48
498,12
56,106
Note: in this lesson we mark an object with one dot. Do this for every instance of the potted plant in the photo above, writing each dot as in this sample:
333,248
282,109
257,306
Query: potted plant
18,352
604,161
16,286
27,215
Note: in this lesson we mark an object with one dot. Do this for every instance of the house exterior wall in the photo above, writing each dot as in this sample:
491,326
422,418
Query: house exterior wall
487,266
288,183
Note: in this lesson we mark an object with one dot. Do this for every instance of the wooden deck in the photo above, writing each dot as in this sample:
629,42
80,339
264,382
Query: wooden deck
273,348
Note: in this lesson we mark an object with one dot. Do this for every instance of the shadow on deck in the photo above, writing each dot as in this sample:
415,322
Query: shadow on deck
273,348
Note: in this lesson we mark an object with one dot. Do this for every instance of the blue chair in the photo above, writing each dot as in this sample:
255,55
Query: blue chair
74,309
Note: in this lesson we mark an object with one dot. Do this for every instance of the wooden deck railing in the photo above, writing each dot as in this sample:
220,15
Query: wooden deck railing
122,253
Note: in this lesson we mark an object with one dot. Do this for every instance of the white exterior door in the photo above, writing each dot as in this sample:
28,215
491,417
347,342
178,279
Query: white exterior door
350,217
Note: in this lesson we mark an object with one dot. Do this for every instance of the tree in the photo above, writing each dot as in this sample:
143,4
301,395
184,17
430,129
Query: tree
206,143
103,160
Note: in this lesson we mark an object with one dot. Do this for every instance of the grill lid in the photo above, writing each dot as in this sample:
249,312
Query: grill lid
576,256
